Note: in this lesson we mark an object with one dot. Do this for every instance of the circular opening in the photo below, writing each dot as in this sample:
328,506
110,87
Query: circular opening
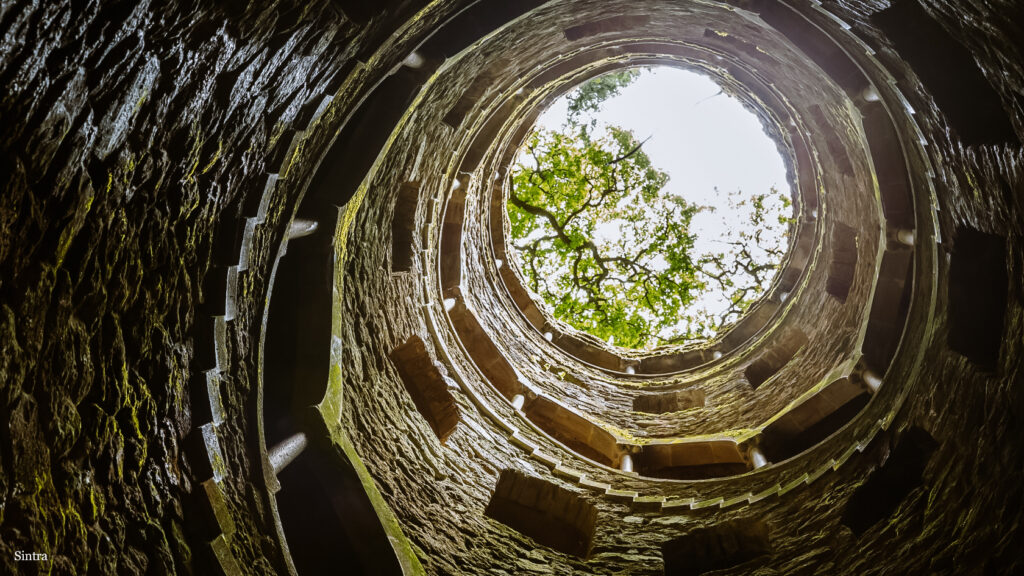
649,207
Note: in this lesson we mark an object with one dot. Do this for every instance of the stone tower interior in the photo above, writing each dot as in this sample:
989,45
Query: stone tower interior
256,317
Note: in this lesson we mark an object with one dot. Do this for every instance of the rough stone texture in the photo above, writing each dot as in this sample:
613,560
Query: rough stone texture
132,133
731,402
819,544
137,139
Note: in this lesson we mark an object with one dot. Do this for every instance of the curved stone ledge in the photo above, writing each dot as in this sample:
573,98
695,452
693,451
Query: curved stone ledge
220,221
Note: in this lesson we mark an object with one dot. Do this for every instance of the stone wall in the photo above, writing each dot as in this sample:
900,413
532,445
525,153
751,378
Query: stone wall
156,155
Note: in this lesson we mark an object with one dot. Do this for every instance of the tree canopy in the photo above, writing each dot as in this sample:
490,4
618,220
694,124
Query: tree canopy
587,98
600,240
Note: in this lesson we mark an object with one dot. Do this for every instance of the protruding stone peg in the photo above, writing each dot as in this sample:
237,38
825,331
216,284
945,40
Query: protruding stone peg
626,464
870,94
873,380
905,236
300,228
548,336
414,61
630,370
449,303
518,401
716,355
288,450
757,458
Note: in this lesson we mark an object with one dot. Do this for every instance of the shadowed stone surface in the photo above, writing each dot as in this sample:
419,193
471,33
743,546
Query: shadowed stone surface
154,155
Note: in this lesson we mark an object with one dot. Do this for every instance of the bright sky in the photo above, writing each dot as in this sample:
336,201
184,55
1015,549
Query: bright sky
703,139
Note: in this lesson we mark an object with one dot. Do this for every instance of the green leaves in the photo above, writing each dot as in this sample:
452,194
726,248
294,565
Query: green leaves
600,240
603,243
589,96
